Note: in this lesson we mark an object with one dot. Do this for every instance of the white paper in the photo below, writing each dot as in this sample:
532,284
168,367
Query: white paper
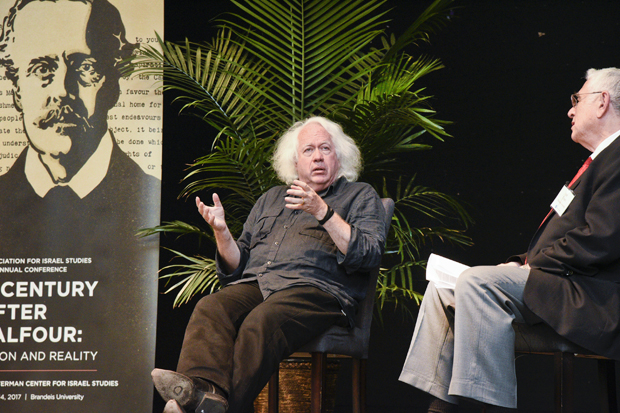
443,272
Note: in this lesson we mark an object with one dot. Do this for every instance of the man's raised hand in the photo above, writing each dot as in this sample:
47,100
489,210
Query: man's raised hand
214,215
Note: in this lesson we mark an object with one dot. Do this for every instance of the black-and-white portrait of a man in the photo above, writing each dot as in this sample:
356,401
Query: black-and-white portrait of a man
65,72
74,196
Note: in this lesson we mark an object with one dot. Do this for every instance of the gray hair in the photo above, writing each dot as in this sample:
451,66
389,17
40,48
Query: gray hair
285,156
606,80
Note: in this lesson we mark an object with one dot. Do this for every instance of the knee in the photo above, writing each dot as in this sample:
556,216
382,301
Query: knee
205,303
208,305
474,279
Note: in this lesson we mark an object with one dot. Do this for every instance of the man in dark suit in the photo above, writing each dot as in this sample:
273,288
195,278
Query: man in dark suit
569,278
74,197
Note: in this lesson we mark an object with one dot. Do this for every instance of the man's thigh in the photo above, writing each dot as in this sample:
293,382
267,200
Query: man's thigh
496,287
298,314
232,303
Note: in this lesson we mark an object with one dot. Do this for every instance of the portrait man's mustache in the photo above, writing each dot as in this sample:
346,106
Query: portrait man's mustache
68,118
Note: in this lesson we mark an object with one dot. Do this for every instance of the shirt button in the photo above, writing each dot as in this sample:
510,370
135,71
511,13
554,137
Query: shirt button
286,227
268,262
260,275
277,243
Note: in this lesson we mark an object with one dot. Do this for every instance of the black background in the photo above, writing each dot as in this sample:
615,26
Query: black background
510,68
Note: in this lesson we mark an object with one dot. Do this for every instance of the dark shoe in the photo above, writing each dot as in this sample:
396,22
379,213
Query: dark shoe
173,407
175,386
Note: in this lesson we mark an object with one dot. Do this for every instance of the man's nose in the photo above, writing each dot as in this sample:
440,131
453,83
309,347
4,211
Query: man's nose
571,112
317,155
64,83
57,88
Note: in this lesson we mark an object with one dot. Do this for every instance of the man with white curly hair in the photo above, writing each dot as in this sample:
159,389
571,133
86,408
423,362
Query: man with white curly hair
297,269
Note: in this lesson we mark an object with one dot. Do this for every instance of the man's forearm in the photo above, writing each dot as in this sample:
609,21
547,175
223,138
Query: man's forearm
228,250
340,231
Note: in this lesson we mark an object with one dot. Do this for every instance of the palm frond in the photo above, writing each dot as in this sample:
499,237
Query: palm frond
436,16
388,128
400,284
308,46
431,203
206,78
176,227
418,201
198,276
241,166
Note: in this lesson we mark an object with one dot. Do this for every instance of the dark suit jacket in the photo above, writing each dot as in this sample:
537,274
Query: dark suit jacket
118,322
574,283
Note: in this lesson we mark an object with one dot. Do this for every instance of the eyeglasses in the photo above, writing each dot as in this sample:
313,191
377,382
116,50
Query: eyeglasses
574,98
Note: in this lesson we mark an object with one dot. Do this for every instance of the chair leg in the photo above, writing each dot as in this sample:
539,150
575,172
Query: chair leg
358,385
563,366
273,394
607,384
319,373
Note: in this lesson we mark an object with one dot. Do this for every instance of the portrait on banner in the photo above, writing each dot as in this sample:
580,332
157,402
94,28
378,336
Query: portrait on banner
80,159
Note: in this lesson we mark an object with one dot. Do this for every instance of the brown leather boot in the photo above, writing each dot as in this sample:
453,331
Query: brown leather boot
175,386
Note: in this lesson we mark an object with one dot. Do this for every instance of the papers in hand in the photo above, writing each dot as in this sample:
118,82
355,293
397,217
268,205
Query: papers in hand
442,271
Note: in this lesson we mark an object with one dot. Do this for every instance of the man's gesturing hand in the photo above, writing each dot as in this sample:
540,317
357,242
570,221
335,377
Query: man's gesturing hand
214,215
226,246
303,197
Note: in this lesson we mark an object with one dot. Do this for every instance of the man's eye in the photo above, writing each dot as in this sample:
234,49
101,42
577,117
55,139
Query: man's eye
308,151
87,71
85,67
326,150
43,69
40,70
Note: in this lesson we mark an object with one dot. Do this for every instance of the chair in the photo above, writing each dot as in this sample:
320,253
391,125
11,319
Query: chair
542,339
341,341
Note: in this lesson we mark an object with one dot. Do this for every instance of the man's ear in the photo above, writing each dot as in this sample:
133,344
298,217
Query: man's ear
604,104
17,100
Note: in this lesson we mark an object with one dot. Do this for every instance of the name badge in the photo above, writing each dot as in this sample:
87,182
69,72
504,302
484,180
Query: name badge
563,200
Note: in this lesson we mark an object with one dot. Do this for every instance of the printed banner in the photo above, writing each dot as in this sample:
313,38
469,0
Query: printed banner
80,171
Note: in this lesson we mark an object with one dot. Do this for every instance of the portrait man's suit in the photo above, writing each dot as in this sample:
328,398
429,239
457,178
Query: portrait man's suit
117,321
126,200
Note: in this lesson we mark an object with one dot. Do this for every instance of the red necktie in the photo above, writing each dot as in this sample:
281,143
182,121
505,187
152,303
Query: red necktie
579,173
581,170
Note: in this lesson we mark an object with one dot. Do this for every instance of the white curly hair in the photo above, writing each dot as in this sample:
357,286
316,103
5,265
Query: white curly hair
285,156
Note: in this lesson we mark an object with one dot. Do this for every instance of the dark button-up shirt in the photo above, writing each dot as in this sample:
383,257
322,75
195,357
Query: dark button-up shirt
281,248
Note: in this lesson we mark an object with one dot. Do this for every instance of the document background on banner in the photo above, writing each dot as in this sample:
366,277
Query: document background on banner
78,301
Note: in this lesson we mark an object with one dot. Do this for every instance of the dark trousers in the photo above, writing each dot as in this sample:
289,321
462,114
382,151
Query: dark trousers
236,340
